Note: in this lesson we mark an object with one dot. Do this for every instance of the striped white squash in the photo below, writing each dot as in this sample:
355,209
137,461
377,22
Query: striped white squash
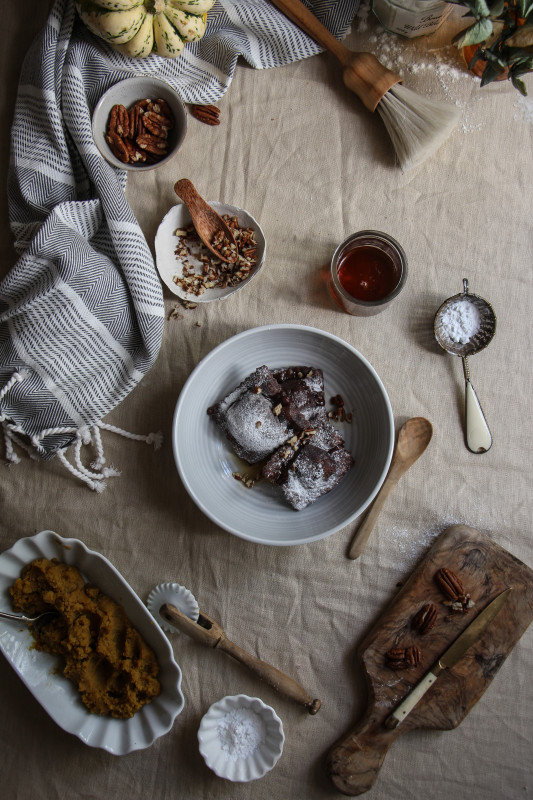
140,27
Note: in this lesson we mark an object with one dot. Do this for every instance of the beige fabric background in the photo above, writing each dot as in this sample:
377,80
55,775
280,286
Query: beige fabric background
302,155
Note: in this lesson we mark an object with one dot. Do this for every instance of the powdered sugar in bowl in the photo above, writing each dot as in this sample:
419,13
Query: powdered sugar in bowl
241,738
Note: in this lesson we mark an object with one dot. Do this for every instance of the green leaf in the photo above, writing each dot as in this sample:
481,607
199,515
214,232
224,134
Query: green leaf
474,34
520,85
524,7
491,72
497,8
481,9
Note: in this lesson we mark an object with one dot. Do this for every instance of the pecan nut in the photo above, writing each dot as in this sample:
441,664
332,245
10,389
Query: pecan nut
157,124
209,114
451,586
139,134
425,618
118,147
119,121
399,658
152,144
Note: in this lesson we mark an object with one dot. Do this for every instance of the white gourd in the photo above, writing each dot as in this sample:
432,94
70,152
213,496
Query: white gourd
139,27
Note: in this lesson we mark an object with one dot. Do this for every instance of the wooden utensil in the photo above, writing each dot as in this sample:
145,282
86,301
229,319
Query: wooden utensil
486,570
207,222
413,438
208,632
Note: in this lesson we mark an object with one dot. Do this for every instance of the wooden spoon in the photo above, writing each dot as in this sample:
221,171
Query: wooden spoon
413,438
205,219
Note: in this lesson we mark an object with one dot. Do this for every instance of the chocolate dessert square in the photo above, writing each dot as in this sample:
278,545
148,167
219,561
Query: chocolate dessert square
246,416
313,473
302,394
309,465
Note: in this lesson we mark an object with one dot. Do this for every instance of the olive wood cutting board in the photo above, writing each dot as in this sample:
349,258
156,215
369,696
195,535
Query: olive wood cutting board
485,569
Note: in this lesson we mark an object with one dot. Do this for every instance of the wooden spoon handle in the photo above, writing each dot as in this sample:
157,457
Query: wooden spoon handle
277,680
354,762
366,527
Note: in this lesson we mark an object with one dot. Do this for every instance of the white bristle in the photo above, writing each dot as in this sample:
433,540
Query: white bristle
416,125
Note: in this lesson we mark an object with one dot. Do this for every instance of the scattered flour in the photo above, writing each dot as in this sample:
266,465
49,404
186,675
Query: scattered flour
444,63
240,733
524,107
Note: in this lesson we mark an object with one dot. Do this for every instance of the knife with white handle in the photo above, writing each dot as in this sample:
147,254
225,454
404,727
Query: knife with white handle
453,654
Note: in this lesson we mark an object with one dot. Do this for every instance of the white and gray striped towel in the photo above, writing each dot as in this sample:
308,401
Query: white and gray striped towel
81,312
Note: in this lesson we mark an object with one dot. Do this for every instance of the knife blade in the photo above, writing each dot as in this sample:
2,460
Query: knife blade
449,658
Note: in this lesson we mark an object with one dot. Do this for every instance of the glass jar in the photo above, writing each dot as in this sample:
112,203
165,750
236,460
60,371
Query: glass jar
411,18
368,271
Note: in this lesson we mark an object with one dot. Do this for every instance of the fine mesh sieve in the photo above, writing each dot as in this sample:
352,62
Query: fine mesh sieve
478,435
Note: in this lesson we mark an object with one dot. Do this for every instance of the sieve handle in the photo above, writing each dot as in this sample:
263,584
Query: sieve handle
478,435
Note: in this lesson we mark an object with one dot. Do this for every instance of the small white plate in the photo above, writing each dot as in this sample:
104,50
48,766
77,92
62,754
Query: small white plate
39,670
169,265
206,462
258,762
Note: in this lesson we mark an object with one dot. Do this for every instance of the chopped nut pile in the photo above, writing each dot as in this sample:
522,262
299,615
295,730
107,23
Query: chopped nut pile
202,270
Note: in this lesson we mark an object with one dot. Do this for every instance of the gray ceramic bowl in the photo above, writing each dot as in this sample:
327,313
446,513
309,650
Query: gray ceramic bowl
206,463
127,93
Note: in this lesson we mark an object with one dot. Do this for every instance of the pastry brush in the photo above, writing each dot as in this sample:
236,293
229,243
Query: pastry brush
416,125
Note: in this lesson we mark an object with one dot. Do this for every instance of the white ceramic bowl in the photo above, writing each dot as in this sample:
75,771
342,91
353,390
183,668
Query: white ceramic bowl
206,462
127,93
170,265
39,670
220,759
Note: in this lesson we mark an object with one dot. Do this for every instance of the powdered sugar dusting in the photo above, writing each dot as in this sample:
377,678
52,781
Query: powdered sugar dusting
524,106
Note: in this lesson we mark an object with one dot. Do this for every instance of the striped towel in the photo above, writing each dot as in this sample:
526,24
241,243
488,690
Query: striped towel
81,312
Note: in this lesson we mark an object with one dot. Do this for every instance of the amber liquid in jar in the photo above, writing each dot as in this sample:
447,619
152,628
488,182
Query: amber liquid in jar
367,273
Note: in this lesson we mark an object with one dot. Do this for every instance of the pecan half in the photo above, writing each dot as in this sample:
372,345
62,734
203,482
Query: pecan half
425,618
160,106
119,121
157,124
451,586
118,147
152,144
208,114
403,657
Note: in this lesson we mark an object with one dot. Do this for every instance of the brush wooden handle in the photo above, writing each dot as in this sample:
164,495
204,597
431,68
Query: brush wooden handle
277,680
363,74
208,632
354,762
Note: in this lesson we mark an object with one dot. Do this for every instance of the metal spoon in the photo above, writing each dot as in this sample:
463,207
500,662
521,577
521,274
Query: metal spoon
413,438
27,617
478,435
205,219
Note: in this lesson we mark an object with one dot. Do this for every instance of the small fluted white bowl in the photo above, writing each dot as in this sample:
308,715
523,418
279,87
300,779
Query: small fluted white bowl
261,760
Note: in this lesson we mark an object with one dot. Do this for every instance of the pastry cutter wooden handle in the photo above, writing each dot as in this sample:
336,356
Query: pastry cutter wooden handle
208,632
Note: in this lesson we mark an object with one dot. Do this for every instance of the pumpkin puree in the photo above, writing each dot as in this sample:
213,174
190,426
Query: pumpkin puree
109,662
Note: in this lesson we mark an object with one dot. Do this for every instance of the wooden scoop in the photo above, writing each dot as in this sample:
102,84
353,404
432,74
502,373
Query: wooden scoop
413,438
208,632
207,222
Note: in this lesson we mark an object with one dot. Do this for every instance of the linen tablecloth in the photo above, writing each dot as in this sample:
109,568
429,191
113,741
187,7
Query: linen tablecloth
299,152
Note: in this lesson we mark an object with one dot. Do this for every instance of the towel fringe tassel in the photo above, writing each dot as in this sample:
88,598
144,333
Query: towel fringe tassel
95,477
